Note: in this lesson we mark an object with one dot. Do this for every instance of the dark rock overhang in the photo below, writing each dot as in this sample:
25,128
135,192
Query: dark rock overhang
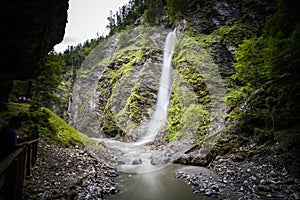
29,30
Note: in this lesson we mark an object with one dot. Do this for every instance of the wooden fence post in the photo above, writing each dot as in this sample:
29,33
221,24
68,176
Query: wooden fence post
29,159
10,189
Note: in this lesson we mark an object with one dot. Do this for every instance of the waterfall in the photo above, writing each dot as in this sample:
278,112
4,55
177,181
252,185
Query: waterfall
160,114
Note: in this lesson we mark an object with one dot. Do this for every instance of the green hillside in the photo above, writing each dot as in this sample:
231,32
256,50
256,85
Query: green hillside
51,127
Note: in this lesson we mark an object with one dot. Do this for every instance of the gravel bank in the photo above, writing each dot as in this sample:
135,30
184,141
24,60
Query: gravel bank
264,176
70,173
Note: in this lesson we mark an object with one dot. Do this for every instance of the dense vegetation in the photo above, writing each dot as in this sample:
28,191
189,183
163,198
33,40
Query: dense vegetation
268,78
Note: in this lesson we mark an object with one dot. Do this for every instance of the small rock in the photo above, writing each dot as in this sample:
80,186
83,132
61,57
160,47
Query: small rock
263,182
137,162
264,188
295,196
269,195
273,173
208,192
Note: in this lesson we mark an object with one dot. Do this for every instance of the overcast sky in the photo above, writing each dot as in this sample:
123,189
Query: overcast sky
86,18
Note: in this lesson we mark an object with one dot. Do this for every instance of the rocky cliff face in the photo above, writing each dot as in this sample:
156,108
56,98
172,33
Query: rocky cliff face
116,86
208,16
115,89
30,29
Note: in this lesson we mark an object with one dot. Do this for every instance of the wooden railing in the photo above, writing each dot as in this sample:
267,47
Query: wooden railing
13,170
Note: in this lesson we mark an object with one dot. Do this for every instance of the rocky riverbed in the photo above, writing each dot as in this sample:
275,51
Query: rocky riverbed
264,176
71,173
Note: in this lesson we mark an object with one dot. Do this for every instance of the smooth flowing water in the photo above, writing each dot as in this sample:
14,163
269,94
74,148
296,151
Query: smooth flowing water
157,185
144,181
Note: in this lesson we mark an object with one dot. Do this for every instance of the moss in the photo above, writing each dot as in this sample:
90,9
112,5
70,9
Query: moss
234,34
196,82
193,124
66,134
187,118
113,100
231,35
207,40
61,133
124,94
50,126
13,109
174,116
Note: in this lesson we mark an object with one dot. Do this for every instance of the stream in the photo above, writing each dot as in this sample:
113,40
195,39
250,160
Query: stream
145,181
155,185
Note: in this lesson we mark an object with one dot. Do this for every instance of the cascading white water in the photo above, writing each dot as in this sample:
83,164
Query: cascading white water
137,150
159,117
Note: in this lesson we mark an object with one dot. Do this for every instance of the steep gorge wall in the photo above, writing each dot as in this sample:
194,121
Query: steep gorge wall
115,87
111,96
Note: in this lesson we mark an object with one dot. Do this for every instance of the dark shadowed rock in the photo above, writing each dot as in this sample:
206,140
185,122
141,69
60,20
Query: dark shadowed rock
29,30
137,161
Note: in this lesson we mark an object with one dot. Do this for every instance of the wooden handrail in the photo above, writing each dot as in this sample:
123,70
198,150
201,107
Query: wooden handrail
33,141
13,169
9,159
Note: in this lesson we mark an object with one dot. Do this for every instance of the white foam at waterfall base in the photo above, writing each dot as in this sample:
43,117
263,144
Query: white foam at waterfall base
160,114
132,152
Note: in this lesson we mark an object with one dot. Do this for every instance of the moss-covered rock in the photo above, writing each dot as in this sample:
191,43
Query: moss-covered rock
198,92
116,90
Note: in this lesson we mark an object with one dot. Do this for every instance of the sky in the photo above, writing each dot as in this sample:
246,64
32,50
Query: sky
86,18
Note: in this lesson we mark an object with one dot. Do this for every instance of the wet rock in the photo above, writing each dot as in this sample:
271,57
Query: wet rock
155,160
137,162
264,188
208,192
183,159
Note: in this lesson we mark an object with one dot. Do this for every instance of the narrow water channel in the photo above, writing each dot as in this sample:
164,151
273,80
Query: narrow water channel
155,185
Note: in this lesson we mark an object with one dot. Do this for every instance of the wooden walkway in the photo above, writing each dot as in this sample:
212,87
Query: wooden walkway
13,170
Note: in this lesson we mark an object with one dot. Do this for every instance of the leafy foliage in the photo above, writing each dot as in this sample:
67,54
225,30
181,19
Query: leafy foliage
238,95
46,84
154,12
250,63
271,62
176,8
235,33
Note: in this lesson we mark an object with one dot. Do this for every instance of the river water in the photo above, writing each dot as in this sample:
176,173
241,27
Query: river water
145,181
156,185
